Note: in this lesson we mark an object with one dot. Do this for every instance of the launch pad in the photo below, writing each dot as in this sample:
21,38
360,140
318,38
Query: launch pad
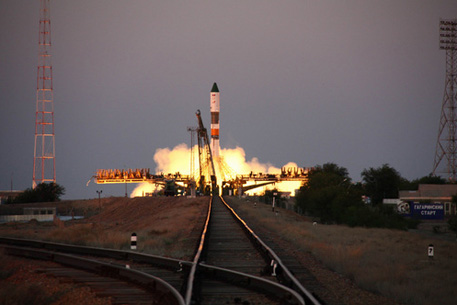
211,167
238,185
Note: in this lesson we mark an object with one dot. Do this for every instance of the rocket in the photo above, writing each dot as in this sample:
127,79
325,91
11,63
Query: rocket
215,109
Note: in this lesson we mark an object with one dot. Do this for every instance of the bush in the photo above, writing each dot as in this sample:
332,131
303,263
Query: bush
43,192
330,196
267,198
376,217
452,223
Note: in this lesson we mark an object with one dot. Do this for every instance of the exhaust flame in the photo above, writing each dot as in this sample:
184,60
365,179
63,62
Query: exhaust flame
178,160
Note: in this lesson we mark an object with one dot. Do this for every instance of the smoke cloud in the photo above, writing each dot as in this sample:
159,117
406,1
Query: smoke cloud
178,160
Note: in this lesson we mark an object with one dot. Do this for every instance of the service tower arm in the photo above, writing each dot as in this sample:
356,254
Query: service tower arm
203,134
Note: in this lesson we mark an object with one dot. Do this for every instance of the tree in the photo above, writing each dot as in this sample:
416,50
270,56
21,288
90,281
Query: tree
328,193
327,175
382,182
430,179
268,197
43,192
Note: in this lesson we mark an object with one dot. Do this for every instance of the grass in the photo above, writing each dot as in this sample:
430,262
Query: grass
88,234
163,225
11,294
392,263
21,283
162,233
6,268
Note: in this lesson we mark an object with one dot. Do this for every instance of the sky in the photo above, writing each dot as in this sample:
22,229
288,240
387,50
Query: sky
358,83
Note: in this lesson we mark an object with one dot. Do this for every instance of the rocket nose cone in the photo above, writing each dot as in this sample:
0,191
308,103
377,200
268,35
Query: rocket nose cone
215,89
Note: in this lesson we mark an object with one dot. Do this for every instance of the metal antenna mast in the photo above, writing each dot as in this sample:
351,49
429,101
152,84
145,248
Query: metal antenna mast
44,169
446,147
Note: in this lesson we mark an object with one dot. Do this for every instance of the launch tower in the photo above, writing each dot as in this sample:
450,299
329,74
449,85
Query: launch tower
44,152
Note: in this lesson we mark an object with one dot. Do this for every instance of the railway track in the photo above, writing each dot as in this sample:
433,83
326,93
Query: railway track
123,284
231,266
228,246
233,247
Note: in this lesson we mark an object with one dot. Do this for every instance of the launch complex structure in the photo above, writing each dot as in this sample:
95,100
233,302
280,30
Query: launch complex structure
211,166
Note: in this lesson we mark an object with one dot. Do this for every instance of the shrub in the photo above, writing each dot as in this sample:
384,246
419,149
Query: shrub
43,192
376,217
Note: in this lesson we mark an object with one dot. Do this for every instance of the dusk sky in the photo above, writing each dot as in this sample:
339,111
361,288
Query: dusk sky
357,82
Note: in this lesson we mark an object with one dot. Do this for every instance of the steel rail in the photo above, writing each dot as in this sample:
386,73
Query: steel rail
253,282
165,292
193,269
155,260
235,277
282,270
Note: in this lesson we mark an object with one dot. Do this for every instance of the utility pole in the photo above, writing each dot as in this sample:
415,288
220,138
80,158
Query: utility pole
446,147
44,169
99,200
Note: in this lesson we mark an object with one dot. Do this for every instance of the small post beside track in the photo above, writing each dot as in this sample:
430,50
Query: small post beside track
133,240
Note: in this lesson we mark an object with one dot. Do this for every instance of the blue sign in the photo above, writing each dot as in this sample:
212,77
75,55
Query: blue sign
427,210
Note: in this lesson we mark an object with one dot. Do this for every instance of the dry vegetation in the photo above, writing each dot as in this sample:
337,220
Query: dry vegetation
389,262
164,226
22,284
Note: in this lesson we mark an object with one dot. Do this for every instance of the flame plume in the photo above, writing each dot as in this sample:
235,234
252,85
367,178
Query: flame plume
232,161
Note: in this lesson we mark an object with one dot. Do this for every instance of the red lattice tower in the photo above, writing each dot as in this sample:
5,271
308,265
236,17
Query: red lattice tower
44,169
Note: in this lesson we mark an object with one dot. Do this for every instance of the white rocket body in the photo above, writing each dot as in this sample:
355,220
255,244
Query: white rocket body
215,109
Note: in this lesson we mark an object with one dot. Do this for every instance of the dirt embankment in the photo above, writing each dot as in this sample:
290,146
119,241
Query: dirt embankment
23,283
164,226
390,266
